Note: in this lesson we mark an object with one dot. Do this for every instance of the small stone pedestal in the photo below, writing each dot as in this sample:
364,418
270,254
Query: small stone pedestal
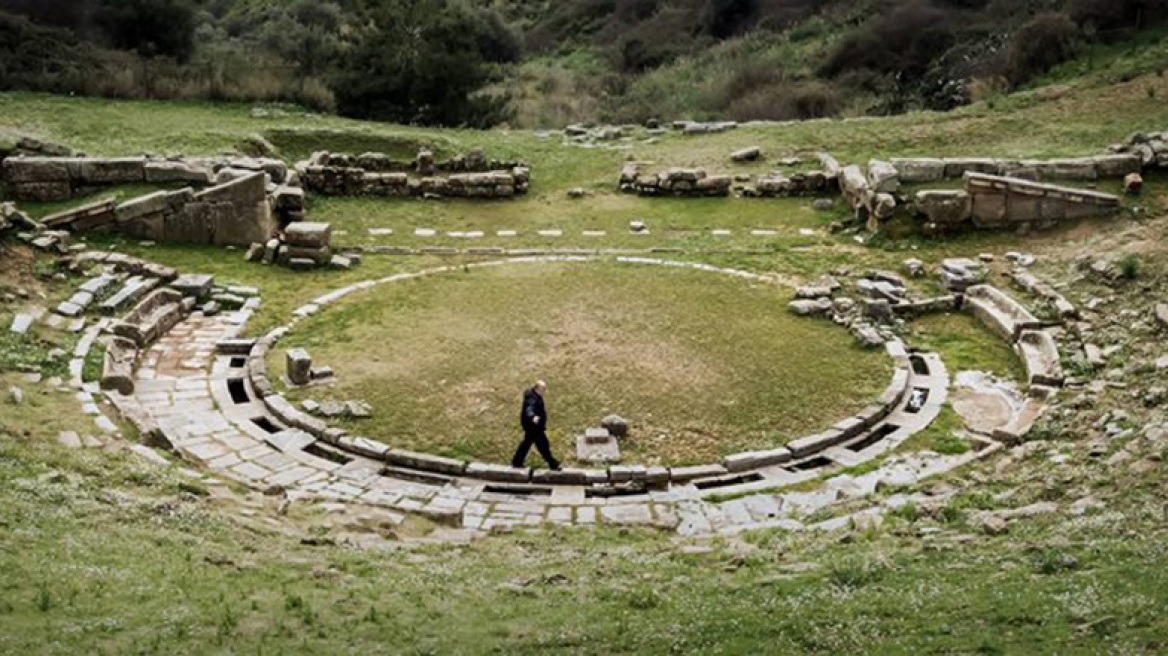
597,446
299,366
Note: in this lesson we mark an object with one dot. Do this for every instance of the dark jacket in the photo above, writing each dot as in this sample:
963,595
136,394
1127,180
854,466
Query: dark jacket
533,407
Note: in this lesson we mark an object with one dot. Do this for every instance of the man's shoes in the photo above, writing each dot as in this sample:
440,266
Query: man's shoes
557,467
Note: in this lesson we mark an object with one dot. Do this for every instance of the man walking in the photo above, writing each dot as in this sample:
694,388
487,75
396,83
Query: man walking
533,419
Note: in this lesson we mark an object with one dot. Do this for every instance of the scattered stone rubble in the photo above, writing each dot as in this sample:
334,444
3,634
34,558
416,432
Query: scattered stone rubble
884,299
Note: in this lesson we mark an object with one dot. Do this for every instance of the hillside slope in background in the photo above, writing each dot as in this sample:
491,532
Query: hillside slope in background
545,64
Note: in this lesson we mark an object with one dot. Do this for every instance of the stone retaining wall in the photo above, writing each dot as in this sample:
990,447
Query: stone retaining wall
236,213
691,183
374,174
990,201
47,179
913,170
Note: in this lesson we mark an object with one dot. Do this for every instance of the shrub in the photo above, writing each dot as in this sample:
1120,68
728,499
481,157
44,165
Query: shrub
1050,39
150,27
1129,267
904,40
1104,15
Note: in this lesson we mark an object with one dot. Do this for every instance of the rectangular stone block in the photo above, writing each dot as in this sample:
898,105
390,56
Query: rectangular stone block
806,446
298,366
36,170
498,473
685,474
113,170
989,210
425,462
307,234
747,460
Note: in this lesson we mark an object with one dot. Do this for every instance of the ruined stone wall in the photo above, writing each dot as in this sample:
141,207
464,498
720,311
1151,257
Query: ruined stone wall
691,183
374,174
990,201
925,169
46,179
235,213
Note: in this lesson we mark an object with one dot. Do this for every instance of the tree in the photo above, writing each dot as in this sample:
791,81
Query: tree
150,27
420,61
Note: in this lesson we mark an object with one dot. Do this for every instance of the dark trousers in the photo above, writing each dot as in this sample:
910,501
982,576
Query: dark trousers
540,440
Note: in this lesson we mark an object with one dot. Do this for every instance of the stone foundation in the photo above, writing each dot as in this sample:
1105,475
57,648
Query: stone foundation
47,179
990,201
374,174
690,183
235,213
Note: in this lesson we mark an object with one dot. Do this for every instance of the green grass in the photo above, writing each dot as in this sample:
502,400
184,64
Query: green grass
701,364
965,345
181,575
941,435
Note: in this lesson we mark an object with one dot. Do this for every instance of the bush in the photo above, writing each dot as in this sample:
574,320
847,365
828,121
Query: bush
904,40
1129,267
1045,42
150,27
420,61
1104,15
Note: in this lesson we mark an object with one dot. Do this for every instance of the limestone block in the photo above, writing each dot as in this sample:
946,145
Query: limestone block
425,462
1040,354
500,473
308,235
946,208
35,170
169,171
193,284
746,154
883,177
142,206
117,372
956,167
679,475
919,169
298,365
114,170
42,192
806,446
740,462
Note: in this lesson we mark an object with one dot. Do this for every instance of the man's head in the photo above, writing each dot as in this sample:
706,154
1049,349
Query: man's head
540,387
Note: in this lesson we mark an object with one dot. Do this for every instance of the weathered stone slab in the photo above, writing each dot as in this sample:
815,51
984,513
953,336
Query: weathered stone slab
685,474
805,446
498,473
748,460
1002,314
425,462
291,439
307,234
193,284
117,372
919,169
1040,354
298,365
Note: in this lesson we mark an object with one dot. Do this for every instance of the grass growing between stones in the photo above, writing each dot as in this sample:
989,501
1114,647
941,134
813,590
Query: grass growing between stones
701,364
966,345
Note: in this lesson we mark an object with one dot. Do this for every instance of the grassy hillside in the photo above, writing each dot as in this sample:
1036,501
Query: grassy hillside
102,553
546,64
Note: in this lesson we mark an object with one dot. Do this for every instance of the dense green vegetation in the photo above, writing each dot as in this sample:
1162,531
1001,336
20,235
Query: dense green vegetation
481,62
